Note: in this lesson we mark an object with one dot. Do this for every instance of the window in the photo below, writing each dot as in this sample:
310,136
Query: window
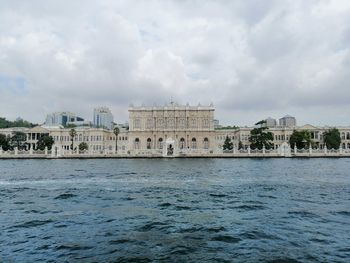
193,123
194,143
205,123
137,124
160,143
149,124
206,143
182,123
171,123
149,141
343,135
160,123
182,143
137,143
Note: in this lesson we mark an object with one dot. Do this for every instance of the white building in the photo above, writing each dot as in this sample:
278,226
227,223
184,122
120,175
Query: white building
103,118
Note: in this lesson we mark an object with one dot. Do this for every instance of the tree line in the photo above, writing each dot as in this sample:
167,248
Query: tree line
17,123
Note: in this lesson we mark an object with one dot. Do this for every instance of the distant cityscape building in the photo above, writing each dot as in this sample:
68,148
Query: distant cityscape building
103,118
217,124
270,122
288,121
61,118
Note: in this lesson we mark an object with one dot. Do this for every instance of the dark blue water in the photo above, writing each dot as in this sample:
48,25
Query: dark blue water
177,210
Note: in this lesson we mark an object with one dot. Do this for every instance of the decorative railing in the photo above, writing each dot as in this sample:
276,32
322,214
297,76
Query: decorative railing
282,152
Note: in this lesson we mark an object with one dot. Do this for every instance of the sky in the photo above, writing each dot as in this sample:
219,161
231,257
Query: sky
252,59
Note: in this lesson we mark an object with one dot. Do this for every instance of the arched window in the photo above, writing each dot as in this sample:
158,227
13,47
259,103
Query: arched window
348,145
194,143
160,143
348,135
206,143
182,143
149,141
137,143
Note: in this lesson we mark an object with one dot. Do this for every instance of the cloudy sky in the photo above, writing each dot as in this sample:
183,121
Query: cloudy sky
251,58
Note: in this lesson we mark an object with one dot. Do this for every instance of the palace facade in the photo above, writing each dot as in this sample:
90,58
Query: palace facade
170,130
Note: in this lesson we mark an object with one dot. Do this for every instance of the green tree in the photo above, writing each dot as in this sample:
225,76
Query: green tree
72,134
83,146
4,142
45,141
18,123
116,132
332,138
18,140
260,137
302,139
228,145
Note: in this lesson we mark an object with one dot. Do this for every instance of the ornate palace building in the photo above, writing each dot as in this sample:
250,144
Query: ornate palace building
172,129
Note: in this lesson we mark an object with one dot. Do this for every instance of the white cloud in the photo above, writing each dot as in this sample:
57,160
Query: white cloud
253,59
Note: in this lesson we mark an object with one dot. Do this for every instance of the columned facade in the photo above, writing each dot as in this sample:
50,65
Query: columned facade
171,129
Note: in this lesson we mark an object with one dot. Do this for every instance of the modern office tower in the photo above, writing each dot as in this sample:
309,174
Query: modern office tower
61,118
270,122
288,121
103,118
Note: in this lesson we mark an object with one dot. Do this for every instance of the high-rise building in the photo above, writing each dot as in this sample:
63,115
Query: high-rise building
103,118
61,118
288,121
270,122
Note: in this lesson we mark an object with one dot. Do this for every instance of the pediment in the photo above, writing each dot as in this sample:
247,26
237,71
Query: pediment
308,127
38,129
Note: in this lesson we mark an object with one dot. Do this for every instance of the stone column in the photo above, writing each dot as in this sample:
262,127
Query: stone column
295,148
46,150
234,149
340,149
16,151
53,150
325,149
264,149
90,149
310,149
31,150
248,149
0,150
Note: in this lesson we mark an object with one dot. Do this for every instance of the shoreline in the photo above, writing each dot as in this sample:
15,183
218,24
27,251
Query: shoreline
173,157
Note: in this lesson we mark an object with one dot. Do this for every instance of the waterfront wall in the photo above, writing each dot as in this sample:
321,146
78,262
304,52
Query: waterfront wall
188,153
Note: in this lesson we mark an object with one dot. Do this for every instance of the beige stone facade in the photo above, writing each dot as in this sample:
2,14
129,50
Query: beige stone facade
171,130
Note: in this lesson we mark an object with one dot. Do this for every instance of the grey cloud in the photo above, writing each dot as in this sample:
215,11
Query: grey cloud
251,58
